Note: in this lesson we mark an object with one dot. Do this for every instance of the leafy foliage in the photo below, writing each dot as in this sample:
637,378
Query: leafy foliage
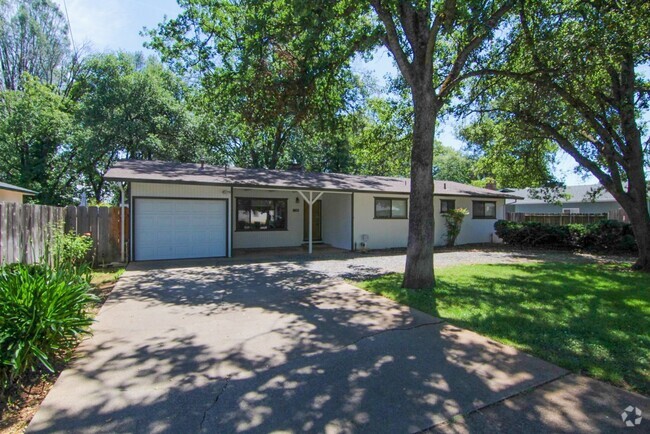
382,143
454,221
274,75
129,107
34,41
606,235
574,76
36,129
70,249
511,156
43,314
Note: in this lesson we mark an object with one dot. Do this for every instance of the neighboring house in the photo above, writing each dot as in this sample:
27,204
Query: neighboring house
191,210
581,201
13,193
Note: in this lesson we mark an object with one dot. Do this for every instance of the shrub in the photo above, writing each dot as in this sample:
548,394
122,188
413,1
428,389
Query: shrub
606,235
609,235
454,221
531,233
43,313
70,248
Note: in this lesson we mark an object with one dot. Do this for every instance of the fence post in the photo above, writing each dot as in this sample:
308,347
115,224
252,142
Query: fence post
3,233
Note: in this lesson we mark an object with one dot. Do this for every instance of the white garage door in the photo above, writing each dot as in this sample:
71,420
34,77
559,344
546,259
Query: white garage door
179,228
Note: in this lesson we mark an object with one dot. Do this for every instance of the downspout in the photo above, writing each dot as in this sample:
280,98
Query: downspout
122,253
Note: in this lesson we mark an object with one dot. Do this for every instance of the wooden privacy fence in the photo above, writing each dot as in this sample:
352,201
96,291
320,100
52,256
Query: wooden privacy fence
26,229
556,219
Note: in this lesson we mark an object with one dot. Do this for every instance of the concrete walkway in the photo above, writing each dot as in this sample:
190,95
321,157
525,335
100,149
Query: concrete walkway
274,346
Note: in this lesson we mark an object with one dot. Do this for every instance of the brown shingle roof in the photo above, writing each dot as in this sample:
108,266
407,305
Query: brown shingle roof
190,173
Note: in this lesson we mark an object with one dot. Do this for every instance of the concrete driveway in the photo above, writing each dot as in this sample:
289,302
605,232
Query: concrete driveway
273,346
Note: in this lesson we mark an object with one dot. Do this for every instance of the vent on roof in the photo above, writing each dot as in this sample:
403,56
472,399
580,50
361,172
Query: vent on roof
296,167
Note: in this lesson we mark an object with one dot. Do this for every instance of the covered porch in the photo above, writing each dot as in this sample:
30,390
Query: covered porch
298,220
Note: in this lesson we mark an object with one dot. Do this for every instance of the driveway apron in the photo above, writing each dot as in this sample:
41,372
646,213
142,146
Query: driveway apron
198,347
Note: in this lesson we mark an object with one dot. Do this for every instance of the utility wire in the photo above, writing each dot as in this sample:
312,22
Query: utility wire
65,7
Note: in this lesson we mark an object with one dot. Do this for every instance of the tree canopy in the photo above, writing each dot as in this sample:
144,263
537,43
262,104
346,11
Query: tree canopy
572,78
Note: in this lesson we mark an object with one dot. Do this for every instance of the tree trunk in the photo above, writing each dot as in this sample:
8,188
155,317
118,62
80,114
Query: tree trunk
635,205
419,255
642,236
640,221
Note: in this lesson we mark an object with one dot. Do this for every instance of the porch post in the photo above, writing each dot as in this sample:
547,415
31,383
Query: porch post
311,203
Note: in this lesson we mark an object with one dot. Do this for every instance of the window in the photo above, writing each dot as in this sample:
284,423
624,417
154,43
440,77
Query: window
261,214
570,210
446,205
391,208
484,210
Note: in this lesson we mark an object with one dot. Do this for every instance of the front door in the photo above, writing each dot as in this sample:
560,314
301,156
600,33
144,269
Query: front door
317,215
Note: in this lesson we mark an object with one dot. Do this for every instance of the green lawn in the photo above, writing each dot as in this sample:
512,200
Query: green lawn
592,319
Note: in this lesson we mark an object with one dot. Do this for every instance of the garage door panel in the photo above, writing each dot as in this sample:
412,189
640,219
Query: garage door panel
179,228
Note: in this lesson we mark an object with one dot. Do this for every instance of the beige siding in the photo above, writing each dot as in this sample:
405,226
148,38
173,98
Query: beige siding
382,233
260,239
385,234
473,230
179,190
337,220
11,196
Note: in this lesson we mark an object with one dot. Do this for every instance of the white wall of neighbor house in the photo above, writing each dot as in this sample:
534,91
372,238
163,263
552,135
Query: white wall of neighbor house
290,237
393,233
337,220
548,208
11,196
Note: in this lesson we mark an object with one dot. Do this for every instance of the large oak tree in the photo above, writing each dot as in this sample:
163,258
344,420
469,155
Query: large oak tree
433,43
575,77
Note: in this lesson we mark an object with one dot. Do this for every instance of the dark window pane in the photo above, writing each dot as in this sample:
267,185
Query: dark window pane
486,210
490,209
446,205
261,214
382,208
478,209
398,208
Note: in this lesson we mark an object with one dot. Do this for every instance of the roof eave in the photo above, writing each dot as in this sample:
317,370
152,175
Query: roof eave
24,191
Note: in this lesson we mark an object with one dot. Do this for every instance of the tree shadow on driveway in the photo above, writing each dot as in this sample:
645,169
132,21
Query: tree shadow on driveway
263,347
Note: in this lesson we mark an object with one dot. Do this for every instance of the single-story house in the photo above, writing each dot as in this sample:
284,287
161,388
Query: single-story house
195,210
582,199
13,193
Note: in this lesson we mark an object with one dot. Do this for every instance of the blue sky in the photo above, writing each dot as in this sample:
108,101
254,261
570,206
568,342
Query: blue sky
114,25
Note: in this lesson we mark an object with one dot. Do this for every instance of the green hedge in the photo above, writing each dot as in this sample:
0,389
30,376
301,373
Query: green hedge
606,235
43,314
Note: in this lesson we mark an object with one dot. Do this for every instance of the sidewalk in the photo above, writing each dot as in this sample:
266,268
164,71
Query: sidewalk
570,404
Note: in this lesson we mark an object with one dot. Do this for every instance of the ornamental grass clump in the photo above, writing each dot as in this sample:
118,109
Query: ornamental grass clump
43,312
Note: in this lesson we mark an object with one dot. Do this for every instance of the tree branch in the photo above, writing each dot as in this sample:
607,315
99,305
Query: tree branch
451,80
391,41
